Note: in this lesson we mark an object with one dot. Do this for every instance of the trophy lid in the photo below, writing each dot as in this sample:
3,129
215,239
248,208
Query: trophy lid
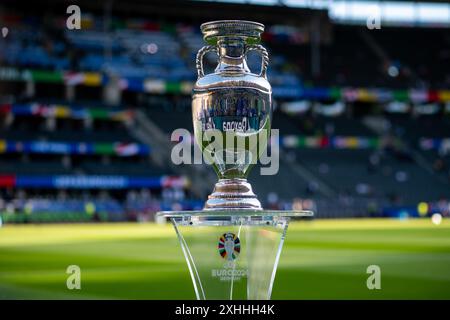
250,30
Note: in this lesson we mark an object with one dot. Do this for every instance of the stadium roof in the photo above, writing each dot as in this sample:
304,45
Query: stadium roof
395,13
423,13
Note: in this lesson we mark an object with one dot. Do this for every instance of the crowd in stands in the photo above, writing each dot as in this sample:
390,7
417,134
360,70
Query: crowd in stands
81,157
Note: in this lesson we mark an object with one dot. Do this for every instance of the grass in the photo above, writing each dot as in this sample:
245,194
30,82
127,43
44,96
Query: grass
321,260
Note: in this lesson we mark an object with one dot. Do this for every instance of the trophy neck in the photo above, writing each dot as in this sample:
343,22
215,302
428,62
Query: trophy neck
232,52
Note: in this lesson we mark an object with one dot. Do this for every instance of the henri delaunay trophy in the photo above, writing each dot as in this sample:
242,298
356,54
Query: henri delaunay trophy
232,246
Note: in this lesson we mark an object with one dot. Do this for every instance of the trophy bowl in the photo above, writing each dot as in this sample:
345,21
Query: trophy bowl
232,110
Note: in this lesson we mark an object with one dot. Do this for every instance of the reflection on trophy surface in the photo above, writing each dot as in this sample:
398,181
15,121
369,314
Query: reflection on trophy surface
231,110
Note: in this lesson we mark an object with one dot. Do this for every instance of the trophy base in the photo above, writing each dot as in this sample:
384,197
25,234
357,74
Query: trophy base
232,194
232,254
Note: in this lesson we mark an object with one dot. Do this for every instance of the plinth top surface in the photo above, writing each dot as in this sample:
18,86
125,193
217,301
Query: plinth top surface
237,213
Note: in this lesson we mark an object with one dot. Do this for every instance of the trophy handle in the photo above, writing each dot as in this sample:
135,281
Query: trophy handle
199,60
264,57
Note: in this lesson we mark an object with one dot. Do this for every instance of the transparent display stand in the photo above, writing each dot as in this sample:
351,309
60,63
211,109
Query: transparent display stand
232,254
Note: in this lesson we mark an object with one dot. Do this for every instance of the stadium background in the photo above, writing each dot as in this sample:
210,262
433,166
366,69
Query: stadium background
85,123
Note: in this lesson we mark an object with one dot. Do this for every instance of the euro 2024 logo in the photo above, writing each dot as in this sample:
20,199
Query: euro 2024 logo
229,246
229,249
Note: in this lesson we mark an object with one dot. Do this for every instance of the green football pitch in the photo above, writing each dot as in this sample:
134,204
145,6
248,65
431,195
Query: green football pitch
325,259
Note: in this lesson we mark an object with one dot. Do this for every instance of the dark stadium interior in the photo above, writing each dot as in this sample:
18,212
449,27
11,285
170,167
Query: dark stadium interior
86,115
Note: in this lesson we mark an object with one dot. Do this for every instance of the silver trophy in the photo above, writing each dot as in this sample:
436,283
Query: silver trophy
234,106
232,246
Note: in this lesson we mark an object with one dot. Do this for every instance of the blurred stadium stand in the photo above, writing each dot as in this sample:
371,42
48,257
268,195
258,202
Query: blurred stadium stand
86,115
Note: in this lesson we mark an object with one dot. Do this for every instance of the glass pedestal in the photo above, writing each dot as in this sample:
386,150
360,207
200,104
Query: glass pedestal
232,254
